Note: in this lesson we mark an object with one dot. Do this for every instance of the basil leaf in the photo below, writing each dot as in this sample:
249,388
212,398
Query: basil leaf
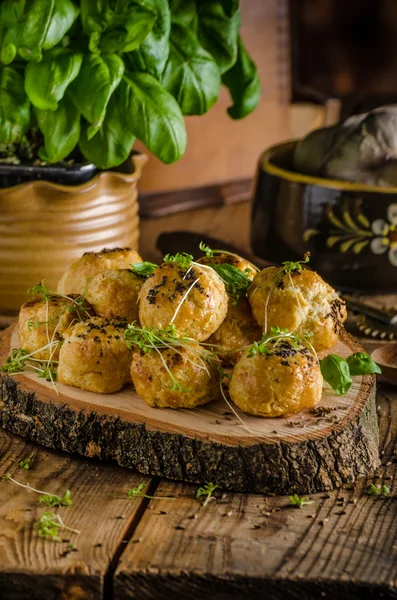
36,25
46,81
361,363
219,33
183,12
153,116
112,144
236,282
143,269
116,25
229,7
335,371
243,83
99,76
191,74
14,106
60,129
154,50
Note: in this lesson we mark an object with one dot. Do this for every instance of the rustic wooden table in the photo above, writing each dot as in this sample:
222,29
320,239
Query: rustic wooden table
239,546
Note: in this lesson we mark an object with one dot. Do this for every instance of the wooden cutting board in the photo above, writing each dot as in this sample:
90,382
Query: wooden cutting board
303,453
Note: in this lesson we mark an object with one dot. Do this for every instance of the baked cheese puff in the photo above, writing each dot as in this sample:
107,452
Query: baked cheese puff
192,298
94,356
283,381
114,293
177,377
235,333
75,279
42,322
300,301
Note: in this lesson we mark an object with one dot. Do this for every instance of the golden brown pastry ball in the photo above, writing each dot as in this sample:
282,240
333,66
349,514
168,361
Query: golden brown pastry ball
200,313
231,259
114,293
190,384
74,280
236,332
283,382
38,325
301,302
94,356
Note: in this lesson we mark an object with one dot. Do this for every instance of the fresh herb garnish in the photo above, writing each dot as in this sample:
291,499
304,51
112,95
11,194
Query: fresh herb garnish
40,290
183,259
35,324
338,371
291,267
49,525
295,500
236,282
335,371
361,363
137,492
16,362
378,490
207,491
277,334
45,497
143,269
26,463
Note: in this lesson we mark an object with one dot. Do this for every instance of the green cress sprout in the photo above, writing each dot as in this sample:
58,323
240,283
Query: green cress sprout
138,492
378,490
295,500
143,269
183,259
49,525
293,267
207,491
26,463
210,253
277,334
45,497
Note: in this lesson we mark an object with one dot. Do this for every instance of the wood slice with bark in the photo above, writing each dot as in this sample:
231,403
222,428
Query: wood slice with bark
304,453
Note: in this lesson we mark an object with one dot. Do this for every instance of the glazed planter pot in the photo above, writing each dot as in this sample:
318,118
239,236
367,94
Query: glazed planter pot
45,226
349,229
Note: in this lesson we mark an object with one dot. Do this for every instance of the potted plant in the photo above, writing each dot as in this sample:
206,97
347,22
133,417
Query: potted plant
79,82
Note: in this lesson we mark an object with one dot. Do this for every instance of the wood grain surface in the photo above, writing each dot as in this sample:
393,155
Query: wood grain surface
301,453
34,568
343,546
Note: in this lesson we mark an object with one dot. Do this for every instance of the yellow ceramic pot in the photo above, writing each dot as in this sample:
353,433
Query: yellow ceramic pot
45,226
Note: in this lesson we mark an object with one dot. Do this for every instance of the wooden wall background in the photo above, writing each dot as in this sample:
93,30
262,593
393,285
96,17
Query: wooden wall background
220,149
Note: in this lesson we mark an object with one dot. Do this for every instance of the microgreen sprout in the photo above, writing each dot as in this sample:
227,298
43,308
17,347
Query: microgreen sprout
45,497
138,492
295,500
295,267
35,324
49,525
26,463
378,490
183,259
16,362
210,253
207,491
277,334
40,289
143,269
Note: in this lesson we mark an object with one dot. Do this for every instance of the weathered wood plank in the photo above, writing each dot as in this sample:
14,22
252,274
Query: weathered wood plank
344,544
34,568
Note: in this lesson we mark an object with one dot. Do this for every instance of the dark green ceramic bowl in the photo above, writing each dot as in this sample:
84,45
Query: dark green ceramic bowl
350,229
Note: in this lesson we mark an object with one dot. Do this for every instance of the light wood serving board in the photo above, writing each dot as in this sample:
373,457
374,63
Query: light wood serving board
303,453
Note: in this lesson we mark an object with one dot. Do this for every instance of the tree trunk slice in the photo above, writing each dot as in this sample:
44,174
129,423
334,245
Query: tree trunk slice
303,453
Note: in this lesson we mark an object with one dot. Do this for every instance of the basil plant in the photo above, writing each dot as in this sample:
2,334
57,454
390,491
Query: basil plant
98,74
